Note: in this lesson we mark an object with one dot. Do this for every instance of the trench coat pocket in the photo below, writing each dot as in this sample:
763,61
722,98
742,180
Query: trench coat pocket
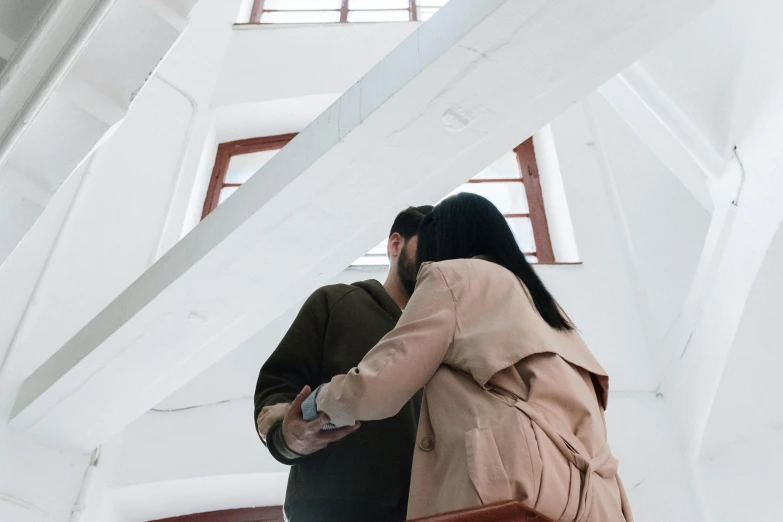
485,467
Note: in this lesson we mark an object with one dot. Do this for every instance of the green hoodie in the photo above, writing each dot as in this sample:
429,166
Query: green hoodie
366,476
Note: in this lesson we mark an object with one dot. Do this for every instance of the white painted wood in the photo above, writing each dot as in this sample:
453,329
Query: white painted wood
42,62
92,101
7,47
176,20
465,87
74,78
26,187
666,130
630,256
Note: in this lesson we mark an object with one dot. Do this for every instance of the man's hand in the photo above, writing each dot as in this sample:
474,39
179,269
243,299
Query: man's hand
305,437
269,416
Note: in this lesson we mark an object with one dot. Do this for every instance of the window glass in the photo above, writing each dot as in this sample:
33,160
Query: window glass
501,183
509,197
523,231
302,5
378,4
242,166
431,3
300,17
506,167
379,16
225,193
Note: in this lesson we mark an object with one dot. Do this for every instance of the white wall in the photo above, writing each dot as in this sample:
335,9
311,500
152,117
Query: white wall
37,483
17,18
602,299
91,241
698,68
666,225
599,295
274,62
117,226
112,234
181,445
93,259
742,441
656,477
695,377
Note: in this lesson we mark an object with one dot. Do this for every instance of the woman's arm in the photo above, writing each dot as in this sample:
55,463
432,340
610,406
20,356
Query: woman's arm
402,362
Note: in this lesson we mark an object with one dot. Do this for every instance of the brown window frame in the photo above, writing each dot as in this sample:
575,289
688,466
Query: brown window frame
528,168
526,160
529,177
258,10
223,157
260,514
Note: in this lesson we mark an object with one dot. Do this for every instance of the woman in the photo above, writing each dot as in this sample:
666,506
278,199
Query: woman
513,399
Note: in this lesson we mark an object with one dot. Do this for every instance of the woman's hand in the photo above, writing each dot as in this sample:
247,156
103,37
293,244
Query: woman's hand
305,437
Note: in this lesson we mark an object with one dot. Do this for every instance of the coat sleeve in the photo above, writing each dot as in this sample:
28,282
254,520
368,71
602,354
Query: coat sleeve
295,363
402,362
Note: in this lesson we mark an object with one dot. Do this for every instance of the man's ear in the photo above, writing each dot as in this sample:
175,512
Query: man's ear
395,245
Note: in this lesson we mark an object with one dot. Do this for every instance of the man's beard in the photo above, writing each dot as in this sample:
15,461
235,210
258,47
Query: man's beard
406,271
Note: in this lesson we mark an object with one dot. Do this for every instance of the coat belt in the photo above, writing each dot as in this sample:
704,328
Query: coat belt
572,449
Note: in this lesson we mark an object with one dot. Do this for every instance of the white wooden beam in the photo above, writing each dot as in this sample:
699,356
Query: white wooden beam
669,133
97,55
27,187
465,87
92,101
7,47
177,20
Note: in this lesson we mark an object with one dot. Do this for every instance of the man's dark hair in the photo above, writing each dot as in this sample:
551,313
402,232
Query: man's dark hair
407,222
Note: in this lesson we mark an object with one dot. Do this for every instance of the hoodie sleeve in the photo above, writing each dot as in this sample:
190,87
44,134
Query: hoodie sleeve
296,362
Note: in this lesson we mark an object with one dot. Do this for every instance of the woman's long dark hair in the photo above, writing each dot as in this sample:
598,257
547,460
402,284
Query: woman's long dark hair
467,225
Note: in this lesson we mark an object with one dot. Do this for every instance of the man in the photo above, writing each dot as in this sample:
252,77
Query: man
359,473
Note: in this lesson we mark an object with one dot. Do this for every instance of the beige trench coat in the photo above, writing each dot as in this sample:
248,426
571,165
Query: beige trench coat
512,408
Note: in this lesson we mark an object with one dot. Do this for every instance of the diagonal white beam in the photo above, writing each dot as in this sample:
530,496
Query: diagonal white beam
461,90
7,47
666,130
24,186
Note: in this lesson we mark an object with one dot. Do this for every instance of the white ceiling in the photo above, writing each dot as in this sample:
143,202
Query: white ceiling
17,215
698,68
271,63
86,86
18,17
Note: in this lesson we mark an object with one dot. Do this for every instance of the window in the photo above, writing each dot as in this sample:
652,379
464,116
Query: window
512,184
235,162
337,11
